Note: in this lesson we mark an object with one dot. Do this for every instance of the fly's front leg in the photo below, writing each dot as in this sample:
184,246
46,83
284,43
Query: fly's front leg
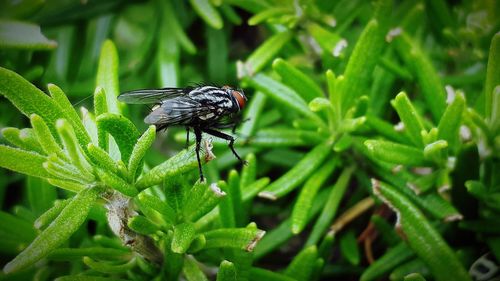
187,136
197,133
226,137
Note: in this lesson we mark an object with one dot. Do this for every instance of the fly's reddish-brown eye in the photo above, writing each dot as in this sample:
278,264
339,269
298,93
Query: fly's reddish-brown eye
239,98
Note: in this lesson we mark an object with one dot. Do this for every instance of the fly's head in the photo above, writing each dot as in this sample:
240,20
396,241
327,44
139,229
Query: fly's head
237,96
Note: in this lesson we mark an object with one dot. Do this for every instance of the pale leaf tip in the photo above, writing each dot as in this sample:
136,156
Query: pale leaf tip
258,236
268,195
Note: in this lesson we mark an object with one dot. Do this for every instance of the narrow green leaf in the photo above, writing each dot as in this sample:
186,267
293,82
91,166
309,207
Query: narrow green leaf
240,238
123,131
267,14
349,247
218,53
207,12
302,265
229,12
226,207
139,150
142,225
175,193
303,205
252,114
101,107
13,135
68,221
392,257
158,205
289,181
414,265
168,50
492,77
386,129
108,267
236,198
41,195
269,275
192,271
386,230
249,171
436,152
280,234
330,42
45,137
184,234
16,228
48,216
107,75
72,149
396,69
427,78
320,104
264,54
396,153
442,15
27,136
410,118
282,94
100,157
22,161
67,184
365,55
171,23
325,247
253,189
422,237
117,183
197,244
227,272
284,137
109,242
22,35
180,163
298,81
495,111
172,268
29,99
414,277
330,208
201,199
93,252
70,113
88,121
79,277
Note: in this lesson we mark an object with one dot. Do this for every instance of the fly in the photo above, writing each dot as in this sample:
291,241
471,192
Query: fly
205,109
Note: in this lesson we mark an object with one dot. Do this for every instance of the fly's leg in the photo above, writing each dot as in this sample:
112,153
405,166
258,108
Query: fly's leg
230,138
187,136
197,133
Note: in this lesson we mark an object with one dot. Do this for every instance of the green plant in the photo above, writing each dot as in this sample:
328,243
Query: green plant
356,112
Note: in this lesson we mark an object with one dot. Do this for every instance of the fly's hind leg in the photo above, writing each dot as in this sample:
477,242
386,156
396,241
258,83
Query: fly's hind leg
187,136
197,133
230,138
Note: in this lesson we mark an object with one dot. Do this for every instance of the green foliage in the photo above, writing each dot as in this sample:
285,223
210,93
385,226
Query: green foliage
356,111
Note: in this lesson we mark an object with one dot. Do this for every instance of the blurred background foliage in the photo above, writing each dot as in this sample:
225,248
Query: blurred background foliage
278,50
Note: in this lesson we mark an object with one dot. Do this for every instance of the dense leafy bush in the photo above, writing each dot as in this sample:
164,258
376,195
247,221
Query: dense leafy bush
361,116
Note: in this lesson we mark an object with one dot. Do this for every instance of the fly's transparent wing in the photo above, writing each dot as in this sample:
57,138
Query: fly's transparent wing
148,96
